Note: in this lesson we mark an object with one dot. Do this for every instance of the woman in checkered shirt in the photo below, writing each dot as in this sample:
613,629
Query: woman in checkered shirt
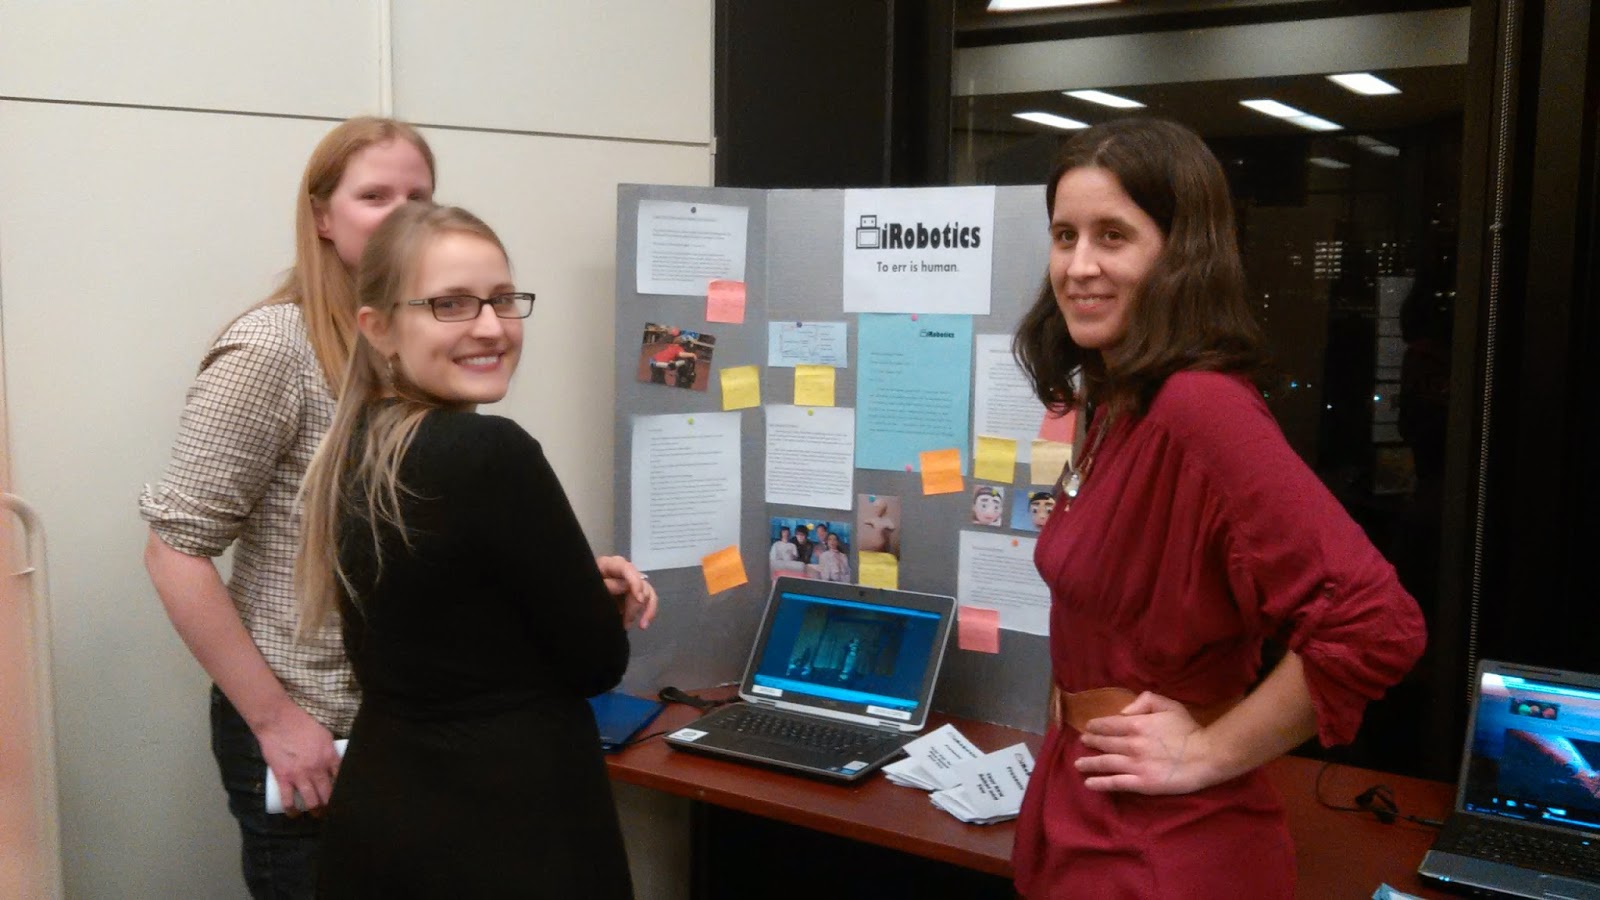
251,421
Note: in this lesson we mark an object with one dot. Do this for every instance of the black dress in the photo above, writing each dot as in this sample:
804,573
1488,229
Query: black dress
474,765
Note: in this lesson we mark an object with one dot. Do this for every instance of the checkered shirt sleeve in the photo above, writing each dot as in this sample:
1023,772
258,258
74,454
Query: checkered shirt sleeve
250,424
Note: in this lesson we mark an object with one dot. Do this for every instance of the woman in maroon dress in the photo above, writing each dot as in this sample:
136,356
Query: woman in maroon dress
1186,534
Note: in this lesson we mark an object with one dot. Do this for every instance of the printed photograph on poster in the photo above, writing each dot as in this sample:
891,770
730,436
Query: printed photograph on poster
810,548
878,524
675,357
1031,509
989,505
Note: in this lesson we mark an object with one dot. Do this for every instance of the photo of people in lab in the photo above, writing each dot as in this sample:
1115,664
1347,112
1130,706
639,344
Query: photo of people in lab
810,548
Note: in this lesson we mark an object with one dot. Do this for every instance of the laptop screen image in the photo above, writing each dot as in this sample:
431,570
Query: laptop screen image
1535,752
847,655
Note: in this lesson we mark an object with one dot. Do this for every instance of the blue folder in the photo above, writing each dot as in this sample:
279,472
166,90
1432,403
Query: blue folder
621,716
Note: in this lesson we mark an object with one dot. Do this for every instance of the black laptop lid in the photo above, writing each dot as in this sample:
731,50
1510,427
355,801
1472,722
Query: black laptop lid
1533,748
850,652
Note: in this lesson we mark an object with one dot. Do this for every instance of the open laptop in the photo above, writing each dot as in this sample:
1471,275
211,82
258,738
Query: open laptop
1527,816
840,678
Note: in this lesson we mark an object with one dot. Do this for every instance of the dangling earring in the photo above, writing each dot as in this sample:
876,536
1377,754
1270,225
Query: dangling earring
394,378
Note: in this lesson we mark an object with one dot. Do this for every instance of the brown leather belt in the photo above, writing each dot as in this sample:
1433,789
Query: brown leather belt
1077,708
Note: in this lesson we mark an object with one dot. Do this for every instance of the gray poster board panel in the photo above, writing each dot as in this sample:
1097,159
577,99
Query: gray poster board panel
794,272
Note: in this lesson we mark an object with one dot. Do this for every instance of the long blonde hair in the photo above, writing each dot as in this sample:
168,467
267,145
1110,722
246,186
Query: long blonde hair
363,481
320,283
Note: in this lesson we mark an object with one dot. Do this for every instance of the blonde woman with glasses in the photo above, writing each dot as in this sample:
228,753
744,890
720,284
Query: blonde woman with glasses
473,610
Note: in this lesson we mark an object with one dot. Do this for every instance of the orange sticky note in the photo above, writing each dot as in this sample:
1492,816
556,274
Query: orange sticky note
978,629
725,301
1059,428
723,569
941,472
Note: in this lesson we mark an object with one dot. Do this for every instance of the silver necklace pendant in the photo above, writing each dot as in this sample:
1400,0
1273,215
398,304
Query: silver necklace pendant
1070,488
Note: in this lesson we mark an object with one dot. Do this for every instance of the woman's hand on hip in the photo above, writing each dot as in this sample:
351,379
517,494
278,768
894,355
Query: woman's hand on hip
1154,746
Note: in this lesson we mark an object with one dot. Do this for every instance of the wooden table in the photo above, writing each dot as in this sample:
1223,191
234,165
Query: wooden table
1340,854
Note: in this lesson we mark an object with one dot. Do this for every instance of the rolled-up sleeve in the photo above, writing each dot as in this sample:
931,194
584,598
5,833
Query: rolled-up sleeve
1300,566
239,418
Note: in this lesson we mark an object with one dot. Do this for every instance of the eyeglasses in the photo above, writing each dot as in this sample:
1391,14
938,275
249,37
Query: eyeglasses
465,307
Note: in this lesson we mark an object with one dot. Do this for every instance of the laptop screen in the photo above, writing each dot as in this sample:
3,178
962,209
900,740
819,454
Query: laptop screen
870,656
1534,752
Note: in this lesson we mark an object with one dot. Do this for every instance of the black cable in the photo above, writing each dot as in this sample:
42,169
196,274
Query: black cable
1377,799
639,739
671,694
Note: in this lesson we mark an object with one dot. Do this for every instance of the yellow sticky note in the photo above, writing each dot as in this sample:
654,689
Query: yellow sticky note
1049,459
723,569
941,472
725,301
880,570
996,459
741,387
813,385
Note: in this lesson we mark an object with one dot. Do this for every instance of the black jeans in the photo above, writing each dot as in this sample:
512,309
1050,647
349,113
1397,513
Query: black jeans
279,853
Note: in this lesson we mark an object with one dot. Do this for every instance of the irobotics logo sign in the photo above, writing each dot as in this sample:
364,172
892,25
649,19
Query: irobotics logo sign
916,236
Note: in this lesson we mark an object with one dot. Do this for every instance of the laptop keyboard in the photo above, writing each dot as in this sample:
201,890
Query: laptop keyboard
1530,848
795,731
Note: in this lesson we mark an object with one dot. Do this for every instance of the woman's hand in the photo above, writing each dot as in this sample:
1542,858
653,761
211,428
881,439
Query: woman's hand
1152,747
301,754
636,599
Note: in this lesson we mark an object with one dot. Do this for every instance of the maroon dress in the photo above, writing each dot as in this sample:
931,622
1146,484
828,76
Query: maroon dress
1197,534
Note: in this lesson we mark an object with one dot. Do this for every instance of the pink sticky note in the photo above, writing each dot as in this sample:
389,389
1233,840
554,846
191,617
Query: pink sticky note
725,302
1059,428
978,629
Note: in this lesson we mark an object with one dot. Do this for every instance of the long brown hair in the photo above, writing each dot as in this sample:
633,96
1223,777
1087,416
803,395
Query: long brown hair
363,480
1189,312
320,283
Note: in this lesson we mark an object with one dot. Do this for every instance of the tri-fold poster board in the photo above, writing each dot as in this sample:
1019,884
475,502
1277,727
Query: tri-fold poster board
819,383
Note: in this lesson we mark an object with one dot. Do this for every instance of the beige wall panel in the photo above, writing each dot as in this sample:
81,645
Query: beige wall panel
554,203
128,238
299,57
617,68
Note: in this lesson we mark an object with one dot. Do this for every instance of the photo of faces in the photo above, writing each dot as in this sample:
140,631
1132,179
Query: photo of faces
1031,509
675,357
989,505
878,524
810,548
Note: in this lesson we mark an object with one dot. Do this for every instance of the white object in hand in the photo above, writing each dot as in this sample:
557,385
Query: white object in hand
275,796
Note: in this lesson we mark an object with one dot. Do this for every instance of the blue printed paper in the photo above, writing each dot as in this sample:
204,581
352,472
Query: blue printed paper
913,388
